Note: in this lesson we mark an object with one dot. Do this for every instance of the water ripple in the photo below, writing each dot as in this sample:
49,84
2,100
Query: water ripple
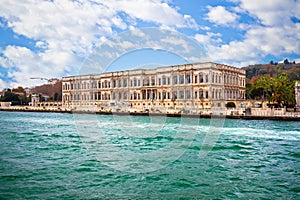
43,156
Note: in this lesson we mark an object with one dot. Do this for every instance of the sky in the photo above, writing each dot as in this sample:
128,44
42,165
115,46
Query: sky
58,38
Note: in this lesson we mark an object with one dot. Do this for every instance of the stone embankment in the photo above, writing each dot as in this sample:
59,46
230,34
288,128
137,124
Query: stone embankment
263,115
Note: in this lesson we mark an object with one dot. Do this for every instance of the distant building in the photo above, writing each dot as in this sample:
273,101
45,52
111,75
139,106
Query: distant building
35,100
19,93
28,91
2,93
297,94
5,104
52,81
191,86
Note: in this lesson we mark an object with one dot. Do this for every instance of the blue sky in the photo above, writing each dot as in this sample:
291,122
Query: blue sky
57,38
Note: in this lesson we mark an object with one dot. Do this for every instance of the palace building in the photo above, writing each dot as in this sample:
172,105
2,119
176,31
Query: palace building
189,86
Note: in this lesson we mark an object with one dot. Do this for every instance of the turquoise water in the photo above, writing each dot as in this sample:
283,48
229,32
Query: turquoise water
51,155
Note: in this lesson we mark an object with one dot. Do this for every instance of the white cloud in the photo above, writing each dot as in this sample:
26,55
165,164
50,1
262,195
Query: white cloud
274,34
126,45
41,44
4,84
156,11
177,43
220,16
67,31
258,43
271,13
209,38
29,64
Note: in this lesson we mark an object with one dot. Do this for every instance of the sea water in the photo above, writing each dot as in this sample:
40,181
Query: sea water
87,156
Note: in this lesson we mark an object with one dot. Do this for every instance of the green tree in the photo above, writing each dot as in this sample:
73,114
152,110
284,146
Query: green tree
279,89
10,97
283,91
264,84
18,89
286,61
56,96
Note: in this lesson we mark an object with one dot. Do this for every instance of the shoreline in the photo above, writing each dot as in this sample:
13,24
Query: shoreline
240,117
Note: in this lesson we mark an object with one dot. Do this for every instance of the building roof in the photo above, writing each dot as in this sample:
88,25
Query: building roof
202,65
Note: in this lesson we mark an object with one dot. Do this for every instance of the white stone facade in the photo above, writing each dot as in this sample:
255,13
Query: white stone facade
189,86
297,94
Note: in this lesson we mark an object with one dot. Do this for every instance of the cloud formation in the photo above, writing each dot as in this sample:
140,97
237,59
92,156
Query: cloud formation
59,35
220,16
271,31
65,32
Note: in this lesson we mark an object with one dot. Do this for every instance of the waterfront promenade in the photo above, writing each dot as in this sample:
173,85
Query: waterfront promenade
257,114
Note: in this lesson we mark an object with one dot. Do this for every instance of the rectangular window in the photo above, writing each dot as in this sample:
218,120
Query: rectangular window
125,83
134,83
206,79
175,94
196,94
201,79
175,80
139,83
206,94
188,79
201,94
169,81
181,93
152,81
164,81
182,79
188,94
159,81
196,79
164,95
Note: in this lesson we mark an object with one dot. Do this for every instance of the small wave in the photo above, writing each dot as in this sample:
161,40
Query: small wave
295,155
262,133
85,169
232,147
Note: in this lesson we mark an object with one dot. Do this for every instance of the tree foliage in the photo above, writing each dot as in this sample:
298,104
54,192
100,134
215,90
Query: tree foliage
18,89
278,89
9,96
16,99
